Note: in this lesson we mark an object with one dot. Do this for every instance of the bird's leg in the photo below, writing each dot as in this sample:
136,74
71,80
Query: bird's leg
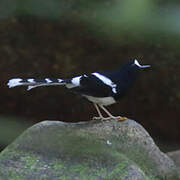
119,118
110,116
99,112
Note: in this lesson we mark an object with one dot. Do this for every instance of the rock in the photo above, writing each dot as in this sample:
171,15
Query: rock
86,150
175,156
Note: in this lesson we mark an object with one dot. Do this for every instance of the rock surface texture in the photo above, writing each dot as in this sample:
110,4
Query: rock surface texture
88,150
175,156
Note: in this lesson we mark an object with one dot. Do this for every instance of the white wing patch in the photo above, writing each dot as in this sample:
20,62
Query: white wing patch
106,81
31,80
74,82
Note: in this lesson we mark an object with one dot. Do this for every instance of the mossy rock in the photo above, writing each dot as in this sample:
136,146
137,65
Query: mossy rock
175,156
86,150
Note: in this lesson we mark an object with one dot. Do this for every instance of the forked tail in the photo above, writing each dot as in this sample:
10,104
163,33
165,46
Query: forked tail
33,83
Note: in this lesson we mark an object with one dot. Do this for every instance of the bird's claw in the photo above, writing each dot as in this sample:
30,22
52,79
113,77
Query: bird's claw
121,118
118,118
102,118
96,118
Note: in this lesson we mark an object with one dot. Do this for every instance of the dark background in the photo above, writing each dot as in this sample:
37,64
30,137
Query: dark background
64,38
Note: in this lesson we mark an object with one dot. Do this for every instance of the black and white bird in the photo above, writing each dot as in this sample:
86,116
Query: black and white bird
101,88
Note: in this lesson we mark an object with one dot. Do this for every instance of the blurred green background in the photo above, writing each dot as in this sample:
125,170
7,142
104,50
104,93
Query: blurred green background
62,38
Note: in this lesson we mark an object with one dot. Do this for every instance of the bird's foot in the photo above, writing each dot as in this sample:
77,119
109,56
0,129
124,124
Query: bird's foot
97,118
120,118
102,118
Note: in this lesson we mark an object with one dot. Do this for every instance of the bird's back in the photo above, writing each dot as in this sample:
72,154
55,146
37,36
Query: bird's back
124,78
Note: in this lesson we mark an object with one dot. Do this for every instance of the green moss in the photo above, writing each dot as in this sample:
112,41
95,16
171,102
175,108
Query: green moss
57,165
80,168
30,162
63,178
12,175
120,169
101,171
43,177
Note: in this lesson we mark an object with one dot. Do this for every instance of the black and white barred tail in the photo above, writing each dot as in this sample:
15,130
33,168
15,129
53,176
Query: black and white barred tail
33,83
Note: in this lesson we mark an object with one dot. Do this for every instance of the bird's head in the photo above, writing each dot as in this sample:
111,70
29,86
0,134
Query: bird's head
132,68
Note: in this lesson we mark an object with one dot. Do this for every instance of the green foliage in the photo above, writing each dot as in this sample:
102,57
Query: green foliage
147,18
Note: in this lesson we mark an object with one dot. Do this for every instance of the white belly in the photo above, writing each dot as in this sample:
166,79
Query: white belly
105,101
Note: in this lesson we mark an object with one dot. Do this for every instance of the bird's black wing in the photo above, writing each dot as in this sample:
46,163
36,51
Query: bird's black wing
123,78
93,86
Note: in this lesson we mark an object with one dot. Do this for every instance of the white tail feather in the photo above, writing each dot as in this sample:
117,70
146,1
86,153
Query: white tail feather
14,82
31,87
31,83
38,85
